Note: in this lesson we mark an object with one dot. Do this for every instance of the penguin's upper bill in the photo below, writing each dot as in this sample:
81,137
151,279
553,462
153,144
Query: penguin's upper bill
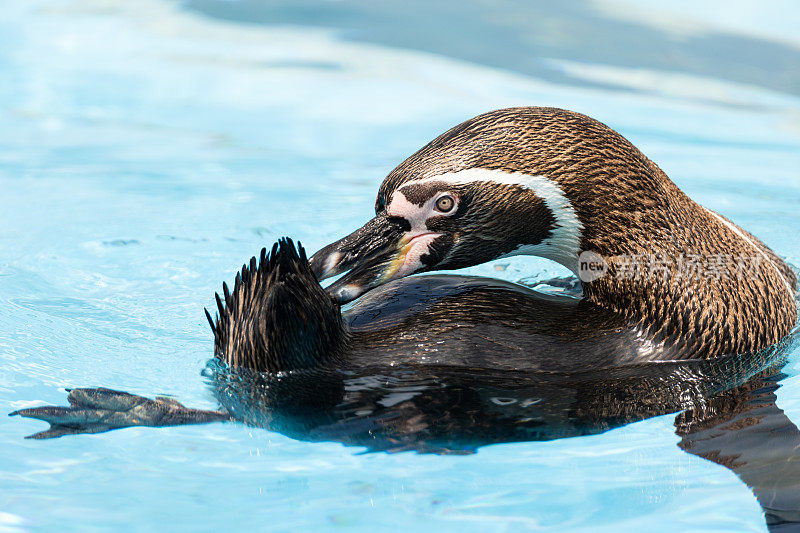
554,183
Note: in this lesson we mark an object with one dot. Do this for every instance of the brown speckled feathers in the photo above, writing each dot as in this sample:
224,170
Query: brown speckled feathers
629,207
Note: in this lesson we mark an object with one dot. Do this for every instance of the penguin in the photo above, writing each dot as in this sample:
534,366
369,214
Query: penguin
560,185
440,363
447,364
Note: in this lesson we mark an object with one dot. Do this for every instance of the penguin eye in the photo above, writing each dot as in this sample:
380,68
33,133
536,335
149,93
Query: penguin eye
445,204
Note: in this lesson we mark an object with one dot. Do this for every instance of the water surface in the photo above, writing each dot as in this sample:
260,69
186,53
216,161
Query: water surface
150,148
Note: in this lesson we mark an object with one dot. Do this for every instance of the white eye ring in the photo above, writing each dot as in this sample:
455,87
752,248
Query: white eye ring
445,203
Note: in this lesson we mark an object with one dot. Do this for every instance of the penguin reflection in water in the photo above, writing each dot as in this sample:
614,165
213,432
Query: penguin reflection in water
446,364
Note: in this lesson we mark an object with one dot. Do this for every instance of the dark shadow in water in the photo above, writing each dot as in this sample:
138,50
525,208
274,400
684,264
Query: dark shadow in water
745,431
727,412
517,36
455,411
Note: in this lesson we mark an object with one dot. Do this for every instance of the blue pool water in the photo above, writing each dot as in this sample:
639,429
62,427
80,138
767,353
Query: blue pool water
149,148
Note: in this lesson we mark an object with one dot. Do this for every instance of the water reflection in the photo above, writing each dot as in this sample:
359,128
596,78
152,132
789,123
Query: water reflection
724,416
745,431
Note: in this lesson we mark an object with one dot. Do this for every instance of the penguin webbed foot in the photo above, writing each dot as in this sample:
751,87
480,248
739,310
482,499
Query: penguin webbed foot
99,410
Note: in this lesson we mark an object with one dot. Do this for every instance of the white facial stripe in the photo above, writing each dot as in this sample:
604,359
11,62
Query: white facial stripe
563,246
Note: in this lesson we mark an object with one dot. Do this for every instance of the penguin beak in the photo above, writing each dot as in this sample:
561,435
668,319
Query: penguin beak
369,253
385,248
